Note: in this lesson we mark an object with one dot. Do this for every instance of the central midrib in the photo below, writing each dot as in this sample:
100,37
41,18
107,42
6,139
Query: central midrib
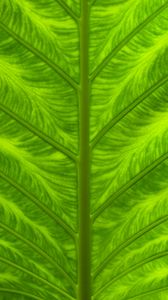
84,270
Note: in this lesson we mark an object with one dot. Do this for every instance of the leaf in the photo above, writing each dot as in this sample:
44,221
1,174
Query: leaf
83,135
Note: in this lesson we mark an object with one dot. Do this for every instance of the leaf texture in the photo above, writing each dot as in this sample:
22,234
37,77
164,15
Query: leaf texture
50,65
129,149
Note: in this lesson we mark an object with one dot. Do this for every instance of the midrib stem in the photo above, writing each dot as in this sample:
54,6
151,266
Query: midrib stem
84,270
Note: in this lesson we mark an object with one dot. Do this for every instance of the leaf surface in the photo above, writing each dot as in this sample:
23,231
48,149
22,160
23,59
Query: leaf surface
83,149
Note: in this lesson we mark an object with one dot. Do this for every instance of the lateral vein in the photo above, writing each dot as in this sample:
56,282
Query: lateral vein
38,133
128,242
157,290
44,208
68,10
25,270
128,185
39,251
41,56
132,268
13,291
106,60
127,110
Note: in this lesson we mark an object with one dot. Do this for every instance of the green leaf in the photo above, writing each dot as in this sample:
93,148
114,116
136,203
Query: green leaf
83,149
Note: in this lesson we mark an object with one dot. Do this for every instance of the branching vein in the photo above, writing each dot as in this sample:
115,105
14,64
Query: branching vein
128,185
124,42
32,274
38,250
128,242
38,133
127,110
44,208
41,56
131,269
